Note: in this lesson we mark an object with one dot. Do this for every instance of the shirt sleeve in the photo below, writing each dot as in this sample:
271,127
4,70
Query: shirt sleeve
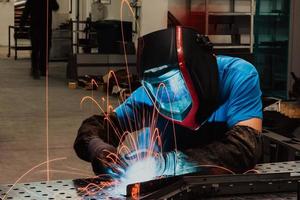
136,111
245,96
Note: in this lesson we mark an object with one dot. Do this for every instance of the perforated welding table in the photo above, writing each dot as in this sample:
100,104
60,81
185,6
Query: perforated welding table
275,181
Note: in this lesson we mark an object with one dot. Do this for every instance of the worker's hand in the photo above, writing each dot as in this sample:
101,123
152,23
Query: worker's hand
106,159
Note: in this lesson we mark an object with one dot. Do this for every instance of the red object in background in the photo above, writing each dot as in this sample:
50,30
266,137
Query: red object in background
135,191
196,20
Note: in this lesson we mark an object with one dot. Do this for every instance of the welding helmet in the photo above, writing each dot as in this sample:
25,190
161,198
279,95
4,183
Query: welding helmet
179,73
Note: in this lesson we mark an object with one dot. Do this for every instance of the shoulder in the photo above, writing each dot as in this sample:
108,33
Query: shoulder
237,66
233,73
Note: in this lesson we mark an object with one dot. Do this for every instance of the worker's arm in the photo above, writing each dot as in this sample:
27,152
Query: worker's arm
254,123
240,148
96,139
245,107
27,10
99,135
94,135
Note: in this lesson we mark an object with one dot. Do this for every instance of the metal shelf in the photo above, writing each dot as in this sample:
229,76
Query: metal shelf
232,47
229,14
234,13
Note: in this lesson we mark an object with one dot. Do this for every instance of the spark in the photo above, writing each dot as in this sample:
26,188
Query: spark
139,156
29,171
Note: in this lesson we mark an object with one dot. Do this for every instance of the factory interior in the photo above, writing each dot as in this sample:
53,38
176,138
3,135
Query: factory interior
84,58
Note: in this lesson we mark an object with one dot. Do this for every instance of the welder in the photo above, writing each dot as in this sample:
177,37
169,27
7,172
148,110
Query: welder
210,105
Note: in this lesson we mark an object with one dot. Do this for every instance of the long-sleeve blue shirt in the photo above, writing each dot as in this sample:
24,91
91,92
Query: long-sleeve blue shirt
240,98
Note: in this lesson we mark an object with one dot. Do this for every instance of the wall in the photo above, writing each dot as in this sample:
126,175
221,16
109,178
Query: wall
112,10
154,16
62,15
64,6
180,9
7,18
294,65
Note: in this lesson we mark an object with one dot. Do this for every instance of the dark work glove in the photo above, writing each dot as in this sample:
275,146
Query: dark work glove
103,156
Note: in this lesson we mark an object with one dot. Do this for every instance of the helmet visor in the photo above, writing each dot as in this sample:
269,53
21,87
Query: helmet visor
170,94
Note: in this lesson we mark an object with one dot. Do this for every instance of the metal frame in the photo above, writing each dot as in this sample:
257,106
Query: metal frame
194,187
100,61
293,30
16,47
274,143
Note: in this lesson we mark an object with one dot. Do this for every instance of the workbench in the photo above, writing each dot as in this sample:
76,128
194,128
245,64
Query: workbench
274,181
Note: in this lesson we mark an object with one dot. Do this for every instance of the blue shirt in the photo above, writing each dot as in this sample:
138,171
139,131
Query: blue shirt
240,98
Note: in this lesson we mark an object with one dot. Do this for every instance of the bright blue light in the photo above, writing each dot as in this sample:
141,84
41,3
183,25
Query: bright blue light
146,167
152,168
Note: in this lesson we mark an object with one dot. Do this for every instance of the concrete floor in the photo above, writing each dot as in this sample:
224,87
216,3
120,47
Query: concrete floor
23,123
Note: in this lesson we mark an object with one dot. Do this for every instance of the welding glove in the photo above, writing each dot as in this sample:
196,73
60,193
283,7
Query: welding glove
102,155
174,163
93,143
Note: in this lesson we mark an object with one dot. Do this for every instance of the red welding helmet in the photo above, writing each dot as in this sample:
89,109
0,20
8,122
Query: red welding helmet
180,74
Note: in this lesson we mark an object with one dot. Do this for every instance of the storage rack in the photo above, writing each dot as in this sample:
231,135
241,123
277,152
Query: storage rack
226,20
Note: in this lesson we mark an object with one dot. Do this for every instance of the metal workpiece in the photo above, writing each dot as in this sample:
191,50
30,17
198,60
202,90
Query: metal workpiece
271,181
279,196
194,187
